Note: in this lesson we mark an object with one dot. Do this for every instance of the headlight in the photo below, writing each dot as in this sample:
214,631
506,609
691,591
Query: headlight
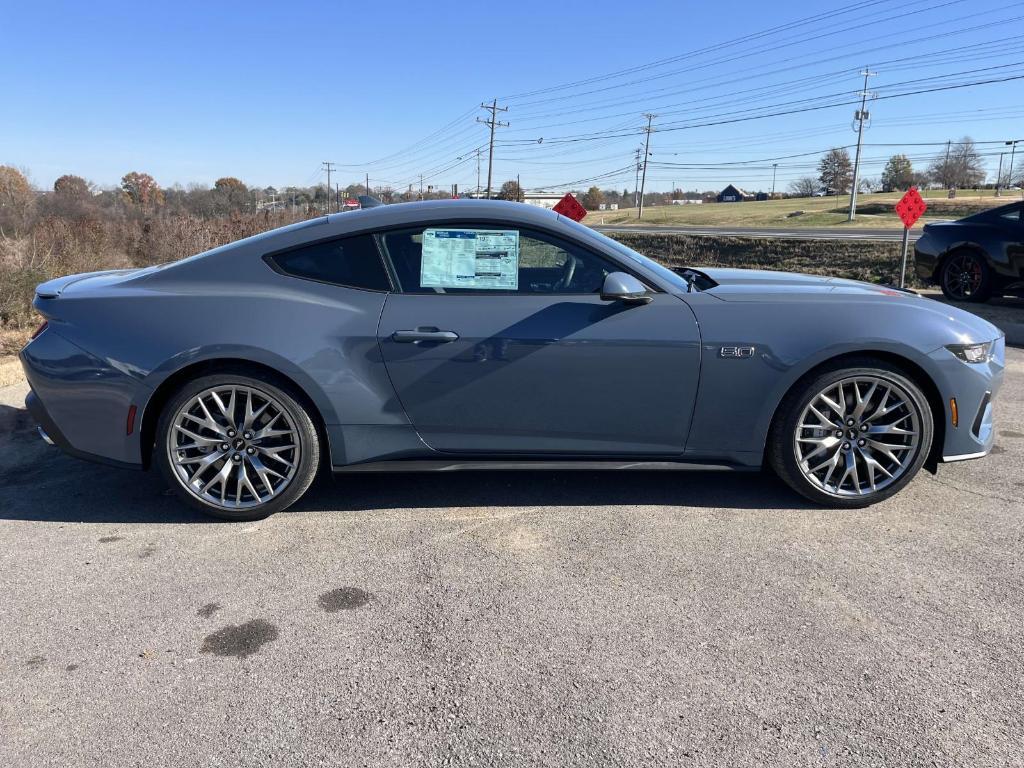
972,353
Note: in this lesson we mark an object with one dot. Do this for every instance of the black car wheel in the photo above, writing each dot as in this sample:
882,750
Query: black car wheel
965,276
851,435
237,447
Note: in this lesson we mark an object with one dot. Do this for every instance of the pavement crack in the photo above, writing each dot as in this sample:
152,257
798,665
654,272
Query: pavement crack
973,492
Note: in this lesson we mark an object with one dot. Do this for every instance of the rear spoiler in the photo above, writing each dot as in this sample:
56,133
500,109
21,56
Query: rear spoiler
51,289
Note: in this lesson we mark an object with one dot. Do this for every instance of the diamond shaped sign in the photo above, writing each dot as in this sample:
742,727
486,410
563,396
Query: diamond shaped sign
910,207
570,208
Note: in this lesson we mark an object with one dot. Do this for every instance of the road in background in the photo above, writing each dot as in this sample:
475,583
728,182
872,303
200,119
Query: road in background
543,619
819,233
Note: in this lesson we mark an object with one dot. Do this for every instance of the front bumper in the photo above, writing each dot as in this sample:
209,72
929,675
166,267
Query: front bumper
973,386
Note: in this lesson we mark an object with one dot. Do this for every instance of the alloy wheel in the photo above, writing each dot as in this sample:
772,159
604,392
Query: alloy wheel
233,447
962,276
857,436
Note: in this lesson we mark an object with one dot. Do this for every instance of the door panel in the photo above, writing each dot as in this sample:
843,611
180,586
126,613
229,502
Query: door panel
543,373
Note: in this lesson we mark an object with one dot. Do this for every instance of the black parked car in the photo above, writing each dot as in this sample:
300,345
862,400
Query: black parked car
975,258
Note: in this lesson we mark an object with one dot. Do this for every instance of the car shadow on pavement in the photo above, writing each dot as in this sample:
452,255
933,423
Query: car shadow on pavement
57,488
719,490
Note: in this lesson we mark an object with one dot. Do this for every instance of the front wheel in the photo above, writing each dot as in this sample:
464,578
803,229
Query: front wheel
852,436
237,447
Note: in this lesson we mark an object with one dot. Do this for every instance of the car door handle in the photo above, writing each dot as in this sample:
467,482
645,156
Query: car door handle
424,334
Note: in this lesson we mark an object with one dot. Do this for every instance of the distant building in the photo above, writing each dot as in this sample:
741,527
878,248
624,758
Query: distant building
733,194
543,199
687,201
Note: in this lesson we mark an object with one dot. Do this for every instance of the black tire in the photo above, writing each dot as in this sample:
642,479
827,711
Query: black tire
964,276
305,431
782,450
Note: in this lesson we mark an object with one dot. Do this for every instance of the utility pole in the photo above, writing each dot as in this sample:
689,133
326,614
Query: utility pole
999,174
492,123
478,173
945,165
643,177
421,186
775,167
326,166
1013,149
367,185
636,182
861,116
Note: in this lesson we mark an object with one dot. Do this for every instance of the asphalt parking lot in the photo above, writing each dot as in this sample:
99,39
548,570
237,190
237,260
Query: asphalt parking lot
512,619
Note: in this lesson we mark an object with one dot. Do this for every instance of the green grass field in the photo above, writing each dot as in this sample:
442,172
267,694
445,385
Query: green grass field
874,210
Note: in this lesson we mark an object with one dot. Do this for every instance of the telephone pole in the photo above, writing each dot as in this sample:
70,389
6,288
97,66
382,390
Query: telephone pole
326,166
492,122
643,177
478,173
945,164
636,182
861,116
775,167
367,185
1013,151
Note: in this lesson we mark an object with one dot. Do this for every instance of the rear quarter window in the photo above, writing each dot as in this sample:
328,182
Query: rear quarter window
351,262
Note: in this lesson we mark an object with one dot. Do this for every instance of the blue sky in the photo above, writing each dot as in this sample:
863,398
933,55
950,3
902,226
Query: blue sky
190,91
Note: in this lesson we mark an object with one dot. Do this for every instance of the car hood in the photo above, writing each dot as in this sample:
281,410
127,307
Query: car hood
758,284
754,285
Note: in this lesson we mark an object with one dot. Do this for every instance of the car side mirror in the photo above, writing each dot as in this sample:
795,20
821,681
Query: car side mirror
619,286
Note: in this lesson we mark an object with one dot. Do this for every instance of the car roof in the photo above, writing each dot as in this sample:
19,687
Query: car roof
377,218
993,213
434,210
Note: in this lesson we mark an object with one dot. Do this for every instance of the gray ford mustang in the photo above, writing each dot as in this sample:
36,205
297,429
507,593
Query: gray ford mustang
488,335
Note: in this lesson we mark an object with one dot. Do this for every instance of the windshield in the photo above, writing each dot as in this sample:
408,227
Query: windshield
661,271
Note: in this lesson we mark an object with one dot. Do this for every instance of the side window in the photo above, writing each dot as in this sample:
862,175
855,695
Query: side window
1012,216
449,258
353,262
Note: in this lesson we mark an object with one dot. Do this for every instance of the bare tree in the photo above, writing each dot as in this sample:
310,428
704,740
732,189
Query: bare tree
961,167
510,191
805,186
17,200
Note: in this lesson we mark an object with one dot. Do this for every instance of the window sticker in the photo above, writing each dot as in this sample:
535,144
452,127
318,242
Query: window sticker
470,258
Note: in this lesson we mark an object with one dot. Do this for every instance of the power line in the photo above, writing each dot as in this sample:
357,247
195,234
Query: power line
743,115
772,46
698,52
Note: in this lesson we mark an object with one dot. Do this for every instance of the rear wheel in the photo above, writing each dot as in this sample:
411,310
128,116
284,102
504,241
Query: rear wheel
237,447
853,435
965,276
